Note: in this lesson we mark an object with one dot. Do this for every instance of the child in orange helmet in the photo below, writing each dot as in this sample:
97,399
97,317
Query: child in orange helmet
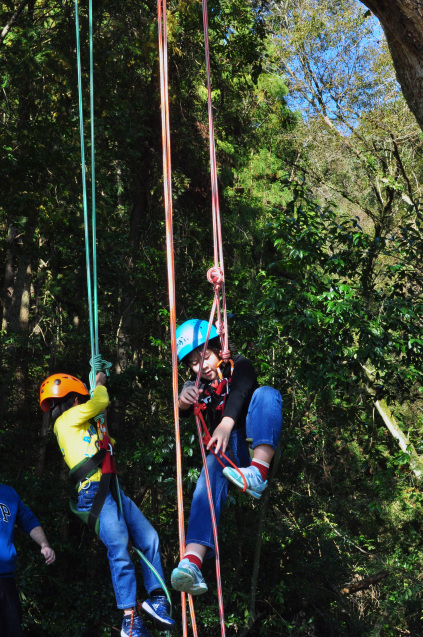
68,400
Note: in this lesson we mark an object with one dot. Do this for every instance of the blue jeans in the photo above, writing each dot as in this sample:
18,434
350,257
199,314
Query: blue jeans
115,532
264,426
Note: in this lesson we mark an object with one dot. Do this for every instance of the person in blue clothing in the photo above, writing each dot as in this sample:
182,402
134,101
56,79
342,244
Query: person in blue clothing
14,511
236,409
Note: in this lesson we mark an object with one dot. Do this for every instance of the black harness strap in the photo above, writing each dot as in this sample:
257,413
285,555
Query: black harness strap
100,496
83,471
88,466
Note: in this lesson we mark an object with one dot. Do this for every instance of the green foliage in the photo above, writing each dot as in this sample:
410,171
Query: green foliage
325,303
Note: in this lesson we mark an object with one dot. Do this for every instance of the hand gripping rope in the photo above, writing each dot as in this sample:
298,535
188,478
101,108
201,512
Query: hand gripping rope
97,363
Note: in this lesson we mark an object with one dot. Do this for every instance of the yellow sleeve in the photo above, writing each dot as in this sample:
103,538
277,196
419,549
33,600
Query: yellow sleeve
80,414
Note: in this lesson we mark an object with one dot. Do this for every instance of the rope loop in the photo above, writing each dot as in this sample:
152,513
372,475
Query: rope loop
215,276
225,354
99,419
220,327
199,407
100,365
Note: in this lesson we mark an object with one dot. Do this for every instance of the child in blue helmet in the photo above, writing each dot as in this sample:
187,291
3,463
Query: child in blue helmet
235,410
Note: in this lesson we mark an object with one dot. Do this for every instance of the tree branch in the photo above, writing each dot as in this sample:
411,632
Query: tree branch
366,582
13,19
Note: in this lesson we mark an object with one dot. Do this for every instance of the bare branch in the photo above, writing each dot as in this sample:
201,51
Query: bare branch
366,582
13,19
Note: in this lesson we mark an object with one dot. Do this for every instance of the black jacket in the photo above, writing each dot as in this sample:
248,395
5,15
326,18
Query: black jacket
234,404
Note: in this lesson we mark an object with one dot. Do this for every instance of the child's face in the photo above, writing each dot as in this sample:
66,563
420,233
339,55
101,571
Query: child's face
211,361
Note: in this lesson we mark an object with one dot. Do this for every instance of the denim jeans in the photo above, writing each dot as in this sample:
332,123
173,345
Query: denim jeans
264,426
115,532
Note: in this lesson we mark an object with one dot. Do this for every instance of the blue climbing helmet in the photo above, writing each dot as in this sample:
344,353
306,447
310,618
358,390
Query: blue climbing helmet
192,334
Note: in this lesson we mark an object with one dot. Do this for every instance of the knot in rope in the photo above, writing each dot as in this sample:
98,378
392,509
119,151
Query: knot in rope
198,408
220,327
215,276
100,365
225,354
99,419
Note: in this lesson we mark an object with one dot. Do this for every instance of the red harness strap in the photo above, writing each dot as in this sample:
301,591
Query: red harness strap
198,409
108,464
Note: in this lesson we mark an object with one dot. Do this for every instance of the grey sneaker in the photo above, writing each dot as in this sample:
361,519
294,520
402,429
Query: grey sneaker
187,578
255,483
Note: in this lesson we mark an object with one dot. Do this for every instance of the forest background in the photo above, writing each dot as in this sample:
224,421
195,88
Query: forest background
320,171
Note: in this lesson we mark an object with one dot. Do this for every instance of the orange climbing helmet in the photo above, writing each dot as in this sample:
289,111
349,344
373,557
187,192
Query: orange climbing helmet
59,386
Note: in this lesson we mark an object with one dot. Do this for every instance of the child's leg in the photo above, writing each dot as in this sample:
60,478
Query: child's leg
196,553
114,535
263,426
264,422
200,528
145,537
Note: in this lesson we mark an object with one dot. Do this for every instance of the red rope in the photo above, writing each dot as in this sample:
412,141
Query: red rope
198,408
167,185
215,275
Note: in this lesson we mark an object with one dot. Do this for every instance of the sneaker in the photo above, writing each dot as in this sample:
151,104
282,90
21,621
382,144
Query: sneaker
139,629
187,577
255,483
158,608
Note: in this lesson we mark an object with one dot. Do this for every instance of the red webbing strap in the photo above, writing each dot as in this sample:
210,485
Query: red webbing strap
167,186
198,408
108,464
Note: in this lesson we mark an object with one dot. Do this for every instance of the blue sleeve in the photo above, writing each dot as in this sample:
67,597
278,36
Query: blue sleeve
25,518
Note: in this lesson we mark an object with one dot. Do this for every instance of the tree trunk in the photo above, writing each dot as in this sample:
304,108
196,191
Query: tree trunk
402,21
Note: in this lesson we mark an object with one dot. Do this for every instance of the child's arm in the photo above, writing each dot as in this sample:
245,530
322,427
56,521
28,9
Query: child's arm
221,434
243,383
79,414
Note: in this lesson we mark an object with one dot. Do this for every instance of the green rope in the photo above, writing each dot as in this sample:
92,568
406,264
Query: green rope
94,225
84,187
96,362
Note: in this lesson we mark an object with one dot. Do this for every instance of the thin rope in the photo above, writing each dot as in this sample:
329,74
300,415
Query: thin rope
84,190
167,186
93,199
215,275
96,362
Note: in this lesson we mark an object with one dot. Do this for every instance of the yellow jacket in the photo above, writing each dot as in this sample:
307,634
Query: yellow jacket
76,436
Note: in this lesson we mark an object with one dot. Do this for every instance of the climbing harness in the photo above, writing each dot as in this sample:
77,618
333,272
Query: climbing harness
104,457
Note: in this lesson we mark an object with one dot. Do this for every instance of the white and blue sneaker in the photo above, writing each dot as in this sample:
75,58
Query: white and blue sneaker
187,578
255,483
137,629
158,608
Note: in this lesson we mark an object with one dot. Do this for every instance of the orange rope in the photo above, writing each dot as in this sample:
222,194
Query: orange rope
215,276
167,185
